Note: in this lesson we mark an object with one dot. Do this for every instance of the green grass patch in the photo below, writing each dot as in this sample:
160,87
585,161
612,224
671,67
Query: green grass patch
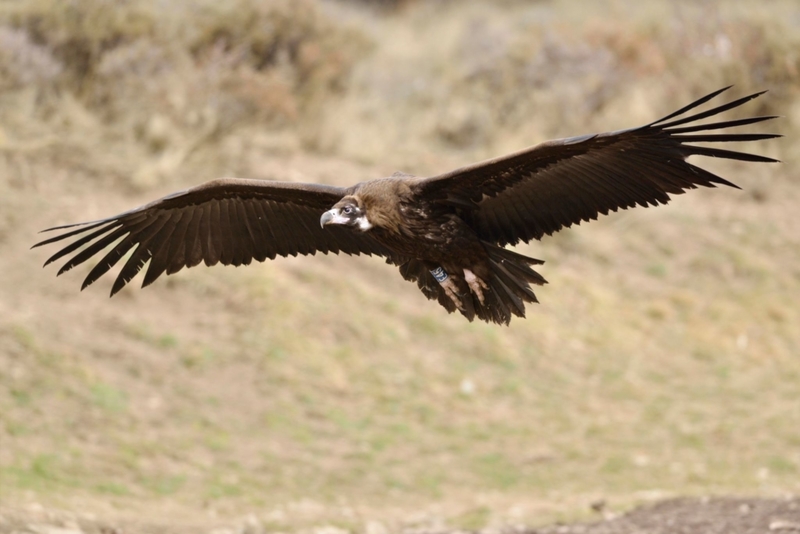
108,397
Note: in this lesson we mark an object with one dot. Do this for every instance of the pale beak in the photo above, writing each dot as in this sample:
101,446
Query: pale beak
325,219
332,217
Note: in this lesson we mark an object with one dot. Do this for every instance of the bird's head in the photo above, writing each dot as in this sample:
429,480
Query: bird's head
350,212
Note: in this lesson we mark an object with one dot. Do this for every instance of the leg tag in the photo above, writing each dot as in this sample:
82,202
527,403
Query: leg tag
439,274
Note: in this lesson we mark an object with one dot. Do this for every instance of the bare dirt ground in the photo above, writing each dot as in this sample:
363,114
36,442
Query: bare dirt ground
690,516
677,516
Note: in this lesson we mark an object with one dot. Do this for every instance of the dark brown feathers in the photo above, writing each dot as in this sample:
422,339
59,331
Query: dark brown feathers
455,224
229,221
553,185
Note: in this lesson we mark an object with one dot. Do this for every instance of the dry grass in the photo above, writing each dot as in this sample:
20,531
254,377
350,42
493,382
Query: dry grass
160,95
663,360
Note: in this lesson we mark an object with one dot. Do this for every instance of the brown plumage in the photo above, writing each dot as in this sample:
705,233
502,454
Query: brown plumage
447,233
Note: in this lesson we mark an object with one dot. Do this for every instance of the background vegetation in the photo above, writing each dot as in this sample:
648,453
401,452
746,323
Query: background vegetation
662,361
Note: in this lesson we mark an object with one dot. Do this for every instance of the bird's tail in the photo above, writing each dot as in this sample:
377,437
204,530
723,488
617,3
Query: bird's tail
508,286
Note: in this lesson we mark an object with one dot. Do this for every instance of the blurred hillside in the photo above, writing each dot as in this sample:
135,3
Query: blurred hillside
662,361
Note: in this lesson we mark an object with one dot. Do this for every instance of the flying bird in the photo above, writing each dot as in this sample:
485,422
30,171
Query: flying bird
446,233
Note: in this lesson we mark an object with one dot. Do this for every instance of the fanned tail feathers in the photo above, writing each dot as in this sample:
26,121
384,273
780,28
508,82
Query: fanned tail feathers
509,286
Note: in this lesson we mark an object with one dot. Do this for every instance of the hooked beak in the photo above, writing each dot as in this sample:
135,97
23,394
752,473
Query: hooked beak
332,217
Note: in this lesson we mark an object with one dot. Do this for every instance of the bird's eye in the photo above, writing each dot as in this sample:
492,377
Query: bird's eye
348,210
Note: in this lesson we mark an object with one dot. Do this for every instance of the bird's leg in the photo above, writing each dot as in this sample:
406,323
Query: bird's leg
475,284
450,288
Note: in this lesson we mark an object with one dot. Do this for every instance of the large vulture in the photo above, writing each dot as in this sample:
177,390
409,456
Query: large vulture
447,233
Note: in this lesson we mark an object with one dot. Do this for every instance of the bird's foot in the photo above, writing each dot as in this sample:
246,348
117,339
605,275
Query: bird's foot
450,288
451,291
476,285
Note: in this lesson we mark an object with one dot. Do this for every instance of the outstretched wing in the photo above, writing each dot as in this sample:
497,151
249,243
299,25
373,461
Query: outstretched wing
230,221
559,183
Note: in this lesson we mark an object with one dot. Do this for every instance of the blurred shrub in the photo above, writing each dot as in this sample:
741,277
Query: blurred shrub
97,41
564,74
383,4
551,72
152,82
23,62
79,32
753,53
169,76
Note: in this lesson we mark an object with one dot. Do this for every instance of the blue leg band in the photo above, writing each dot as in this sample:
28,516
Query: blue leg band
439,274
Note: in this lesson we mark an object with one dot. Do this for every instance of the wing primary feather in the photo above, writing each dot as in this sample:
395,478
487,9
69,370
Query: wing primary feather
727,154
160,251
139,256
82,241
714,111
696,103
140,238
93,249
136,261
723,138
134,264
73,232
719,125
83,227
108,261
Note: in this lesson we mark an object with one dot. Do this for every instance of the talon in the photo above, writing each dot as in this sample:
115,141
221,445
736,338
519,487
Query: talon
450,288
451,291
476,285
